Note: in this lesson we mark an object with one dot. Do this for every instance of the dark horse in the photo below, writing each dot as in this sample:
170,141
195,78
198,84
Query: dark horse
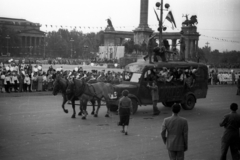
85,92
61,84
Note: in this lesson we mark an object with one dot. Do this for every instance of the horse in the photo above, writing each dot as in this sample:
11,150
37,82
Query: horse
193,20
60,84
96,91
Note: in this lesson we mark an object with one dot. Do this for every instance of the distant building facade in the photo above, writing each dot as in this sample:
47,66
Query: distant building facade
31,38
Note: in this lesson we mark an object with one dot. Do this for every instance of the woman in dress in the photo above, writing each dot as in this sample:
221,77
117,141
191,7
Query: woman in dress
125,110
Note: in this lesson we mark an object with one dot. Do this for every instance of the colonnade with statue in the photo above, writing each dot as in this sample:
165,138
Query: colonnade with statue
141,34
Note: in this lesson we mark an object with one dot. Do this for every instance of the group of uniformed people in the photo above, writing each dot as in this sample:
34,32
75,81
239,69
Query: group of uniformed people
95,76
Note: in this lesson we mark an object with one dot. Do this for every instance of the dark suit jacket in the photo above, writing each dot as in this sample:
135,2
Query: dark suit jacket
231,123
175,133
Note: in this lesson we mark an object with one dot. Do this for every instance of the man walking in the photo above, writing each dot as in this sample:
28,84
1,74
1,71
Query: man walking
155,97
230,138
175,134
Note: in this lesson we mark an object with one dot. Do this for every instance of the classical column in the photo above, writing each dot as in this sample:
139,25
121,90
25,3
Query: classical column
194,48
25,47
35,47
21,45
143,31
144,14
39,46
31,45
174,43
187,48
191,49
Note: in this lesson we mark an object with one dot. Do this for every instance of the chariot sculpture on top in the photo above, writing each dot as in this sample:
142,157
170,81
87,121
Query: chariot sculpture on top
190,22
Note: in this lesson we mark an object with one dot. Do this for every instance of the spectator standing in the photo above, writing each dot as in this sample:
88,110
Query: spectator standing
40,82
230,138
7,82
27,83
34,81
151,44
2,81
15,81
175,134
44,81
233,77
21,80
125,110
155,97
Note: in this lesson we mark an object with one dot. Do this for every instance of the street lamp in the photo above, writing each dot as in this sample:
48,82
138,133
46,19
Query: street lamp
30,47
7,42
160,7
71,40
85,49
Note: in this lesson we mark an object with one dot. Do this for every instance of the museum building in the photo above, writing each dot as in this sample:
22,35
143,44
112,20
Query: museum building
31,37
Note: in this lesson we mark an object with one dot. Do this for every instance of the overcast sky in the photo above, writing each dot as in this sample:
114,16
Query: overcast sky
216,18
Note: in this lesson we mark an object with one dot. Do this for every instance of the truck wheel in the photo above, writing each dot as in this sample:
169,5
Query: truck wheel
134,105
113,108
189,102
168,104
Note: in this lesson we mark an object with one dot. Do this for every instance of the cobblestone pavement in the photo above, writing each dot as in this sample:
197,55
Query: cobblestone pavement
33,126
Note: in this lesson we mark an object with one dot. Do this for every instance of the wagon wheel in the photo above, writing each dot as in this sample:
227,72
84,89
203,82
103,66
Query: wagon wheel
189,102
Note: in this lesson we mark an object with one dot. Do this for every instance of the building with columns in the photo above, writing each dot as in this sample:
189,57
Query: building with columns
31,37
142,32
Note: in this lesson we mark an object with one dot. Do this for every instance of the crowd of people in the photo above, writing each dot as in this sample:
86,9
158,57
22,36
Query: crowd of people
219,77
28,78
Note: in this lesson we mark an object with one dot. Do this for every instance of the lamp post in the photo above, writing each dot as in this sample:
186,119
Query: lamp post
160,7
85,49
7,42
30,48
71,40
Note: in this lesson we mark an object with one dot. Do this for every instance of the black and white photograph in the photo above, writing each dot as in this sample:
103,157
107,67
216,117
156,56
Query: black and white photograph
119,80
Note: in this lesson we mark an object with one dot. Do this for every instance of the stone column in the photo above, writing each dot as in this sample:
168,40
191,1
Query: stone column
187,48
191,49
174,43
39,46
30,45
144,14
142,32
194,48
35,46
21,45
25,48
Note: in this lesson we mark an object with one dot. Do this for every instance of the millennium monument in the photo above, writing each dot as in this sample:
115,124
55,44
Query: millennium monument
142,32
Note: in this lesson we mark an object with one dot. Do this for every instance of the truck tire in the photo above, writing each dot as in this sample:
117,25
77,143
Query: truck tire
189,102
134,105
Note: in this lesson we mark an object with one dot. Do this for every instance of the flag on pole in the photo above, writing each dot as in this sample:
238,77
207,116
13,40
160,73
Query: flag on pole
170,18
156,15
